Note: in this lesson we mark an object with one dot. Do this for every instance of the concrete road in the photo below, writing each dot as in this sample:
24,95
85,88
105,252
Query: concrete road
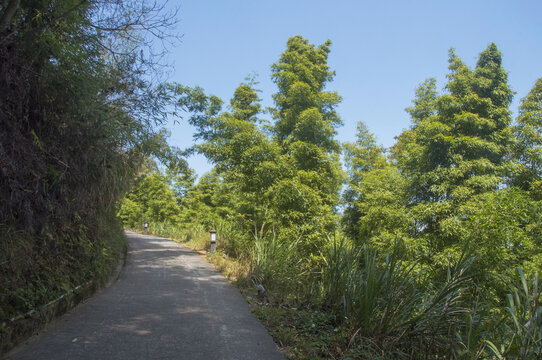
168,303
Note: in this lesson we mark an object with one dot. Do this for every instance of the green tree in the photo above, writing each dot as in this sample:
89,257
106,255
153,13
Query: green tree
528,147
384,216
424,102
363,155
406,150
248,162
305,123
458,150
289,183
502,229
375,198
304,111
152,200
360,158
207,202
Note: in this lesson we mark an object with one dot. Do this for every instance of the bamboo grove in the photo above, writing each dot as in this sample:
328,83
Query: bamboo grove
428,249
409,248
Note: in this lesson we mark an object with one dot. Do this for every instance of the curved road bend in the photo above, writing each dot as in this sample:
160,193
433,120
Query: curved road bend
168,303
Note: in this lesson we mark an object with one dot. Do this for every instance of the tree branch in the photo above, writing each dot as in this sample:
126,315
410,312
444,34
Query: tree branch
8,14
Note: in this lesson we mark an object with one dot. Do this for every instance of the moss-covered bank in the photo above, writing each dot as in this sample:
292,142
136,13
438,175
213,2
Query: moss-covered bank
44,276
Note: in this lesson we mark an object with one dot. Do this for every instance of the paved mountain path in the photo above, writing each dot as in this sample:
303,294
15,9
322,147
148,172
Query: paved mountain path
168,303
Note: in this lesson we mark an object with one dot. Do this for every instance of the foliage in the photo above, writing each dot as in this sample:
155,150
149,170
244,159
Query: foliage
305,112
275,265
78,116
247,162
502,230
151,200
85,251
442,194
369,309
456,149
305,125
528,147
424,230
207,202
459,148
376,196
425,101
388,302
287,185
523,321
304,333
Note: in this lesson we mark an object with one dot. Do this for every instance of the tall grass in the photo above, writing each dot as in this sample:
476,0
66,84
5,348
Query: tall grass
231,239
521,324
275,264
393,311
385,301
340,266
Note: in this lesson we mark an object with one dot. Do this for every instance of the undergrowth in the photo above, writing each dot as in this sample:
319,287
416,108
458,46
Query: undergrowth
35,270
352,303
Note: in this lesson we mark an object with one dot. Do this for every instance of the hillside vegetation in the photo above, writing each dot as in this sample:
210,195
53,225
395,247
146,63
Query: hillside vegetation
77,119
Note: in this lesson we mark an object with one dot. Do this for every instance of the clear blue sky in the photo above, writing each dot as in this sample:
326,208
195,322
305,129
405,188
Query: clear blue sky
381,50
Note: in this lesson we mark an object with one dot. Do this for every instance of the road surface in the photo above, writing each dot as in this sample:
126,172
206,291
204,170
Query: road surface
168,303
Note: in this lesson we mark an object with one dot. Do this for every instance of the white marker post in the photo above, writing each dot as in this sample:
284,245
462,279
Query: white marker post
213,241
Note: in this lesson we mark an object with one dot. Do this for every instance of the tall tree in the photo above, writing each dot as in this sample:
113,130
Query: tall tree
375,197
305,123
363,155
246,159
360,157
528,148
458,145
151,200
291,181
406,151
424,102
207,202
304,111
